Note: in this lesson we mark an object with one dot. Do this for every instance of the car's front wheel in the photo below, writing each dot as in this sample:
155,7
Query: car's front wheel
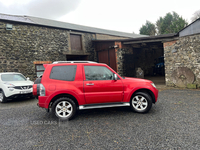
2,97
141,102
64,108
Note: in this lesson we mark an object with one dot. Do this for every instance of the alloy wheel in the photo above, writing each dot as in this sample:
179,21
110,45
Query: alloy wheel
139,102
64,109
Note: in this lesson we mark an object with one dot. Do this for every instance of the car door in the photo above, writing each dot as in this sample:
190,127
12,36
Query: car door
99,86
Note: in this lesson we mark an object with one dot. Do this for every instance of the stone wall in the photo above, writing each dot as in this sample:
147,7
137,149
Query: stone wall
123,63
26,44
180,55
90,46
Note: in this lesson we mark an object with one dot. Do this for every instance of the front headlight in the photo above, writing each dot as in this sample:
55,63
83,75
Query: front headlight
9,85
153,85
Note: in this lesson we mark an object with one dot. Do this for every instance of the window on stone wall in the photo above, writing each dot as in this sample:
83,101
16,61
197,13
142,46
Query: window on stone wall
76,42
39,69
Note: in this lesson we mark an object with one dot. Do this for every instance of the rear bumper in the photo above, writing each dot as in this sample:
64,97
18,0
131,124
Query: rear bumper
42,102
47,109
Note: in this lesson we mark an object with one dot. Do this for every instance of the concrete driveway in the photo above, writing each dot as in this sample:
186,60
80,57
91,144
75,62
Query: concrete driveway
173,123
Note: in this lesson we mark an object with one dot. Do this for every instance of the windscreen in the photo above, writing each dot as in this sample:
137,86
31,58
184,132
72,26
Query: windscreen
12,77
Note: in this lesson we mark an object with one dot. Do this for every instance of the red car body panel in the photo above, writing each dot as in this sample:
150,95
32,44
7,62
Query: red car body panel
102,92
133,84
93,91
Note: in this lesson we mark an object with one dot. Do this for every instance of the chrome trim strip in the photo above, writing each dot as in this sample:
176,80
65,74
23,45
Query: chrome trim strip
82,107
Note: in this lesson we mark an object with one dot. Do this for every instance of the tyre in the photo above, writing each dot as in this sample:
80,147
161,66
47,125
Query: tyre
2,97
64,108
141,102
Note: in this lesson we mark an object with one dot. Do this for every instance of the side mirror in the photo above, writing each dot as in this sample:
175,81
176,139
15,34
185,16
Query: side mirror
28,78
115,77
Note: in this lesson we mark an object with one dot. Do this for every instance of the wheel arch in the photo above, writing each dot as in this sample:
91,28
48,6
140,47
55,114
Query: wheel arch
145,91
63,95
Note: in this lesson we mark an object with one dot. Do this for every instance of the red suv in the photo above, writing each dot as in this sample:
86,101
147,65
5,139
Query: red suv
68,86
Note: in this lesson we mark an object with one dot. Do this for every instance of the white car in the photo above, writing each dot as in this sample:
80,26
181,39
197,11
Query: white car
13,84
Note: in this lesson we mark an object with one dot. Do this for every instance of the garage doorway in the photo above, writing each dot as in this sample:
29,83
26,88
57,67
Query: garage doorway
150,58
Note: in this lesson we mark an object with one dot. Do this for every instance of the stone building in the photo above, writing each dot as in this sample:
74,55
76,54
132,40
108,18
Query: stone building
28,42
182,58
141,52
181,52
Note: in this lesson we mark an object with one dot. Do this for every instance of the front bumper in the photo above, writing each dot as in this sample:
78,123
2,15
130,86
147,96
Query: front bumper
20,95
18,92
156,95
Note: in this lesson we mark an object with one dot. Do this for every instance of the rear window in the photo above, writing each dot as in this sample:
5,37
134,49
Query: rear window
66,73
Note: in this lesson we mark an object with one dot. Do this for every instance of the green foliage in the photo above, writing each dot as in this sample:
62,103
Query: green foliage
170,23
148,29
158,25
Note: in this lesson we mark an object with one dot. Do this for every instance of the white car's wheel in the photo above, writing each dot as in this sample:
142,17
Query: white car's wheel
2,97
64,108
141,102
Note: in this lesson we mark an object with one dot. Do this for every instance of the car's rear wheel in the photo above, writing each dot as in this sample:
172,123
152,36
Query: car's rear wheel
141,102
2,97
64,108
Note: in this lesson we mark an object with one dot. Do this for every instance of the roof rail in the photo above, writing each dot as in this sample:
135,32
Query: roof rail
57,62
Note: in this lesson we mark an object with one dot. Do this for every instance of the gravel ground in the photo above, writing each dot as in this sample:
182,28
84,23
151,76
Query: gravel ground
173,123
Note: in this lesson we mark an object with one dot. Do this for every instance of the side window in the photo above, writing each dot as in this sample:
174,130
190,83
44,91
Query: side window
66,73
98,73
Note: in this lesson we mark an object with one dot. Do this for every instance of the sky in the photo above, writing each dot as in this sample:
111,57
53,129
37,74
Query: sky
119,15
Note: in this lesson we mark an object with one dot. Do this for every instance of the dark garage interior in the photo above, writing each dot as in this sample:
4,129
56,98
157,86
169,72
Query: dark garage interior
147,56
150,58
131,55
76,57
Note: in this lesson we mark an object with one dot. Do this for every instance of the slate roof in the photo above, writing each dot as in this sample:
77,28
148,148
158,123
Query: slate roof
190,24
64,25
191,29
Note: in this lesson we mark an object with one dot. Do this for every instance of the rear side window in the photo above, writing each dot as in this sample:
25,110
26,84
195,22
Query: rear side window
66,73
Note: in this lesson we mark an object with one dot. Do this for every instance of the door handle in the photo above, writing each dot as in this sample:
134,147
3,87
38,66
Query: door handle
90,84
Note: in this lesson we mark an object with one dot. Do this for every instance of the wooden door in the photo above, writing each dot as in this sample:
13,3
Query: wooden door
108,57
